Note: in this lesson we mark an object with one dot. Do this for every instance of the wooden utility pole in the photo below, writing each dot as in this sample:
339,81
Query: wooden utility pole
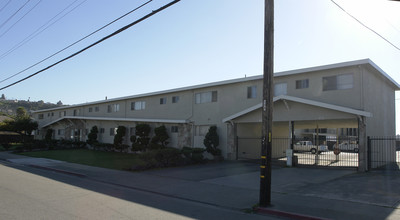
266,148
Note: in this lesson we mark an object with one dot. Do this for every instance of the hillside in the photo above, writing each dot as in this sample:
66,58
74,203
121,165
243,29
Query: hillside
9,107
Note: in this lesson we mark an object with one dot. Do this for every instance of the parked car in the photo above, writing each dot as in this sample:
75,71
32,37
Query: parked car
346,146
308,146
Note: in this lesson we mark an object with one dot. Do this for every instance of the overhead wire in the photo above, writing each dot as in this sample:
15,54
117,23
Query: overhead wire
20,18
372,30
7,20
115,20
41,29
1,9
97,42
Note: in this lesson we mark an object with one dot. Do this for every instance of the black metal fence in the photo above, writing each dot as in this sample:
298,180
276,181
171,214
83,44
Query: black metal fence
383,153
329,152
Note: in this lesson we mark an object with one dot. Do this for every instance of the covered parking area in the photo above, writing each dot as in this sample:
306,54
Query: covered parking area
297,119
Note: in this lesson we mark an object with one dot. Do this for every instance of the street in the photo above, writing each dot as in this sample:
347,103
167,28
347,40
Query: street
29,193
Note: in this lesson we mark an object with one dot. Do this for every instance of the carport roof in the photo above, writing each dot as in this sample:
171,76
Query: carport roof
119,119
303,101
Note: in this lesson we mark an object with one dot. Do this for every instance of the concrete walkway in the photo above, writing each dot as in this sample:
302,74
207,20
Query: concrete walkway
296,192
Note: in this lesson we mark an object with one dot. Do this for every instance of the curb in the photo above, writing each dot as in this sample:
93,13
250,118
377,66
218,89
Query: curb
58,170
286,214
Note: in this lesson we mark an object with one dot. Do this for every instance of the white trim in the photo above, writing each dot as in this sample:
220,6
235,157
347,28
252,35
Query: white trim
119,119
232,81
304,101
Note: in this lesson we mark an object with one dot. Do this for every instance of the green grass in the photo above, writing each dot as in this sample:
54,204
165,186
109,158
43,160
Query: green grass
112,160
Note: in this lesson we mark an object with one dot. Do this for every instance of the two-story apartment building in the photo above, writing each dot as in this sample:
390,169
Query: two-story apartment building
338,96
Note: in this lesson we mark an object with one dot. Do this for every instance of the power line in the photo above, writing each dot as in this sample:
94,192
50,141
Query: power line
21,18
1,9
38,31
115,20
5,22
365,25
97,42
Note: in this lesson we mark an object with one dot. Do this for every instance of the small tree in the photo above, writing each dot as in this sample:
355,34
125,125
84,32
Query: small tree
49,135
161,137
92,136
141,141
119,137
211,141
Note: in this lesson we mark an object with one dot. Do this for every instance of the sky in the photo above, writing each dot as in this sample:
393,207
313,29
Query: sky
190,43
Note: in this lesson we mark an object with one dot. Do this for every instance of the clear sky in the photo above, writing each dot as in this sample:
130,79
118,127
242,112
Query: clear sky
190,43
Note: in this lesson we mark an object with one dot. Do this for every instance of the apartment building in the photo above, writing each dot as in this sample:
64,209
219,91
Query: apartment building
339,96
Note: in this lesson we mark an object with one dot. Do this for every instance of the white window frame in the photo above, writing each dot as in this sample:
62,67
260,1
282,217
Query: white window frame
302,84
163,101
175,99
252,92
338,82
206,97
280,89
138,105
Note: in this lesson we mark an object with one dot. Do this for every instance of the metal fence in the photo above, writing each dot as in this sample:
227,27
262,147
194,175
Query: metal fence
330,152
383,153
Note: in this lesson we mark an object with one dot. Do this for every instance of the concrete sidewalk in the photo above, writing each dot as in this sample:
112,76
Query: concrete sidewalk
296,192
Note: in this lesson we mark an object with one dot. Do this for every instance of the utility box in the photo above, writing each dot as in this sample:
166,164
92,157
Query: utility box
289,157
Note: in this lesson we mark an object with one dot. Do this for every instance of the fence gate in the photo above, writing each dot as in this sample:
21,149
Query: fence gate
342,152
383,153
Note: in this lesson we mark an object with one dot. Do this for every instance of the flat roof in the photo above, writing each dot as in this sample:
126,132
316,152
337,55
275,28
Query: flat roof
232,81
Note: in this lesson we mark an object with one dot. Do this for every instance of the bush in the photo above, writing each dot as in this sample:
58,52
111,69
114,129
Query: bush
140,142
161,137
211,141
193,155
92,136
166,157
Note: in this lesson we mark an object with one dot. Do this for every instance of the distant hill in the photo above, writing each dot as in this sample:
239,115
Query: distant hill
9,107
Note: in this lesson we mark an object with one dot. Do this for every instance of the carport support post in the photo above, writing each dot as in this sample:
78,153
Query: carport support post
266,147
362,146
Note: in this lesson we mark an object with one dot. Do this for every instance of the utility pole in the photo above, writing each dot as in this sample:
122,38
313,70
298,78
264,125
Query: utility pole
266,148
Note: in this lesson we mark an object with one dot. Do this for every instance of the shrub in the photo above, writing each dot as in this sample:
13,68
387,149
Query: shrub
92,136
166,157
140,142
119,137
161,137
211,141
193,155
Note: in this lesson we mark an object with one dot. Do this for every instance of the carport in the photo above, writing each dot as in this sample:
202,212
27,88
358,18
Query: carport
291,115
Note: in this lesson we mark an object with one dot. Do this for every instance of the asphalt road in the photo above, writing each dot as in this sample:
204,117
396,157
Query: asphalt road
29,193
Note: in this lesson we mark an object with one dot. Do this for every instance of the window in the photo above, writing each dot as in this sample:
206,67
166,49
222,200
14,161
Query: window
201,130
76,112
132,131
138,105
280,89
174,129
163,101
175,99
40,116
252,92
52,114
302,84
64,113
113,108
339,82
96,109
60,131
113,131
101,131
206,97
48,114
90,109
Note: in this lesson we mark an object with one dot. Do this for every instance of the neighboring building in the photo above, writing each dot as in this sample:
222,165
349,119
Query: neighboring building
338,97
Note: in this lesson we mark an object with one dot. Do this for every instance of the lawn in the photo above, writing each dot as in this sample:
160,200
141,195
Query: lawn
112,160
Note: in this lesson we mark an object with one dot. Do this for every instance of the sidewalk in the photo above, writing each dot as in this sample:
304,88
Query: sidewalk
296,192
